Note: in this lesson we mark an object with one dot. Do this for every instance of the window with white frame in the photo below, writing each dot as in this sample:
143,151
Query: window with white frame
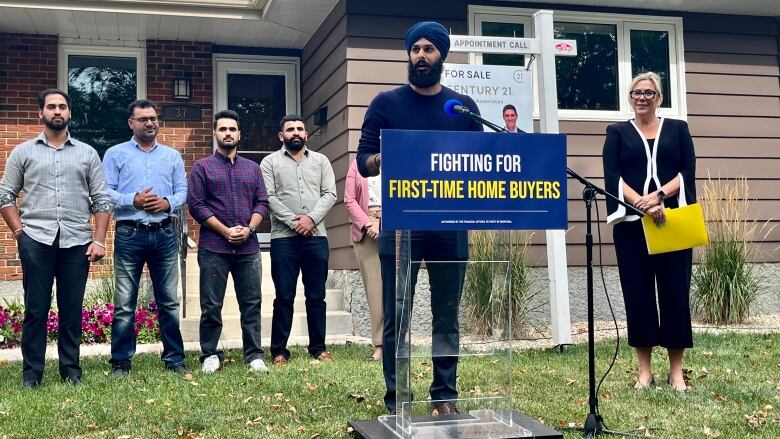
611,49
101,82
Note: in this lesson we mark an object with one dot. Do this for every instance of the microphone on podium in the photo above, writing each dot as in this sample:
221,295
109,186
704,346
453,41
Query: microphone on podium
454,107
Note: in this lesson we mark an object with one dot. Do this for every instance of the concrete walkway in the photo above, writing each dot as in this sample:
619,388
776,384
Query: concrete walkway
104,349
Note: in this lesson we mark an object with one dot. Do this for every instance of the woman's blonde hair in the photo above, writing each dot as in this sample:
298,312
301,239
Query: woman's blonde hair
652,77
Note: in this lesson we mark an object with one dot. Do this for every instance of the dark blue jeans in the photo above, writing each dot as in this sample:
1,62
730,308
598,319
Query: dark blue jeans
446,282
247,275
41,264
159,251
290,256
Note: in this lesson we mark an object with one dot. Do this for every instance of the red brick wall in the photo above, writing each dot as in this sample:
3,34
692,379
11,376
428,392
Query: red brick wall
28,64
167,60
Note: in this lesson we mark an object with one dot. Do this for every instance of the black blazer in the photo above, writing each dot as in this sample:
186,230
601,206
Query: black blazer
626,155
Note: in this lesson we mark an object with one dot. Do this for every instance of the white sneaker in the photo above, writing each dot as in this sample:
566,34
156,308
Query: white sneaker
210,364
258,365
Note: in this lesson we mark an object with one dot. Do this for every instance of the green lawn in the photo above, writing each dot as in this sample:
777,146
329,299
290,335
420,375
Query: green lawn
736,380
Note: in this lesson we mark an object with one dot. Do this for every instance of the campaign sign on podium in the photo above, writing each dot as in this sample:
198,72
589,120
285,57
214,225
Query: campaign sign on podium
437,187
454,180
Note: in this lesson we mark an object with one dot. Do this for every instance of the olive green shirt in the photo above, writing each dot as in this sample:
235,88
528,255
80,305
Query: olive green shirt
303,187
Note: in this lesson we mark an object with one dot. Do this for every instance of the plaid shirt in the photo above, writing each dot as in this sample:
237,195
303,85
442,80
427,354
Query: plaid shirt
231,192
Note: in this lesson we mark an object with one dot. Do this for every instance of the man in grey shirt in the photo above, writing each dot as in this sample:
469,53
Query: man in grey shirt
301,190
63,185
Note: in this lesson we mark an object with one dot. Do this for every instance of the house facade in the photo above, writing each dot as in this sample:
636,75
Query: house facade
326,59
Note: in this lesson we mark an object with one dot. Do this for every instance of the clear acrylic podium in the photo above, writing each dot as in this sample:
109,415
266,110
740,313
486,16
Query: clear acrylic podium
484,365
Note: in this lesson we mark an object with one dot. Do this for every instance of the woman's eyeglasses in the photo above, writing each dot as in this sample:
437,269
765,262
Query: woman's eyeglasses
648,94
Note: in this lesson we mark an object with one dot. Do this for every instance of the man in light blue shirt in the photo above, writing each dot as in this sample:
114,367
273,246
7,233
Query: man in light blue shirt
146,183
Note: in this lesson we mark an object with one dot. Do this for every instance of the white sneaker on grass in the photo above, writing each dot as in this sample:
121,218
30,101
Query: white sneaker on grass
258,365
210,364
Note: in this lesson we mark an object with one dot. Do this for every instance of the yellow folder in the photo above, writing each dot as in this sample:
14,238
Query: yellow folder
684,228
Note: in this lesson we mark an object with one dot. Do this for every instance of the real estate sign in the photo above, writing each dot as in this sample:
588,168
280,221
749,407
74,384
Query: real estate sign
492,87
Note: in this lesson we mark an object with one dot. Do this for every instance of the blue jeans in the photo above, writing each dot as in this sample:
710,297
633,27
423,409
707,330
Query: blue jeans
247,275
307,255
159,251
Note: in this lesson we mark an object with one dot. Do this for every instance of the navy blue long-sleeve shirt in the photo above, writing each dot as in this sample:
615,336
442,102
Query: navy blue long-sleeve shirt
404,109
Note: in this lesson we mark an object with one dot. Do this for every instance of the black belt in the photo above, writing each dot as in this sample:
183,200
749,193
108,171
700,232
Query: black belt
151,227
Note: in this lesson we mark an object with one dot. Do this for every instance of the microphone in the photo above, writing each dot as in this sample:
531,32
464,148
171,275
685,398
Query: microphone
454,107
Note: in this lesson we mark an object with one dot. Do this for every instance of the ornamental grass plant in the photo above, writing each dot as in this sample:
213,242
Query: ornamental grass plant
485,297
726,284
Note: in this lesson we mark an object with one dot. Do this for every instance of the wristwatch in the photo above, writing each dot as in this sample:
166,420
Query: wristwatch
661,195
252,230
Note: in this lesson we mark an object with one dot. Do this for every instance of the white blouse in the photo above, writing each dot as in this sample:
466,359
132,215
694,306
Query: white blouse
374,191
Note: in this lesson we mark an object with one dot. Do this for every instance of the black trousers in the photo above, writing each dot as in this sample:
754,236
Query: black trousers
246,271
307,255
667,322
41,264
446,282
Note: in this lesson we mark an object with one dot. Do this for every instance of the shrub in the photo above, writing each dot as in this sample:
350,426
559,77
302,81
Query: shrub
11,318
484,292
95,324
725,283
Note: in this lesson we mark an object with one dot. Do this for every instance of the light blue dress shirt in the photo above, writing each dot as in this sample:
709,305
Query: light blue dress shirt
130,170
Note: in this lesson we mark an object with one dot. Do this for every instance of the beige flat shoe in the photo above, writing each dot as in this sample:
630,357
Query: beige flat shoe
683,389
639,386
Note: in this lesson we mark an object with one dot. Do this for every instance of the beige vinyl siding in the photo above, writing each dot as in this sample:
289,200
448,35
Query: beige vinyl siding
733,100
733,85
323,83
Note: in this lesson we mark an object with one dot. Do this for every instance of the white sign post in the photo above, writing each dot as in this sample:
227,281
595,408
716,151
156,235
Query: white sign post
545,48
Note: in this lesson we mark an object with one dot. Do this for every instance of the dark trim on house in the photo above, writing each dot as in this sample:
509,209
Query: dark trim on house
777,20
458,9
263,51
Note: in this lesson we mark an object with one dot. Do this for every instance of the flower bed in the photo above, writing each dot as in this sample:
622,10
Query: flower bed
95,324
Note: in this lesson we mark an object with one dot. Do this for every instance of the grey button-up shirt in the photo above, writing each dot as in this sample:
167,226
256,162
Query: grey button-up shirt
305,187
62,187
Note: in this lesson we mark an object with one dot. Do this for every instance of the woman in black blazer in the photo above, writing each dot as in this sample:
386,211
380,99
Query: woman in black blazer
650,163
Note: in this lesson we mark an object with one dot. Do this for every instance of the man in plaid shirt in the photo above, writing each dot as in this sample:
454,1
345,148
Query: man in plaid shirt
228,198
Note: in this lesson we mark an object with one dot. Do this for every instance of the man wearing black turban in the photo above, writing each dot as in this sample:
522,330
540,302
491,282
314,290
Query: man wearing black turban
420,106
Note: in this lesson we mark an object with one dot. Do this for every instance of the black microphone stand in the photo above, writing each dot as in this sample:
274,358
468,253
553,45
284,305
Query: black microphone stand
466,112
594,423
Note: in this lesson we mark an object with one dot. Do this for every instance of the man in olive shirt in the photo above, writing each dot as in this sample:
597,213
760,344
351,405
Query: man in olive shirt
63,186
301,190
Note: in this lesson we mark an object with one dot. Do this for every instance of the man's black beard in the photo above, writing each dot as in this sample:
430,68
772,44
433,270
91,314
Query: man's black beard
294,147
52,126
425,79
227,147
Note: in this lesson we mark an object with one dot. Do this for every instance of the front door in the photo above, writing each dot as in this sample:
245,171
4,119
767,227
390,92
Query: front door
261,90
